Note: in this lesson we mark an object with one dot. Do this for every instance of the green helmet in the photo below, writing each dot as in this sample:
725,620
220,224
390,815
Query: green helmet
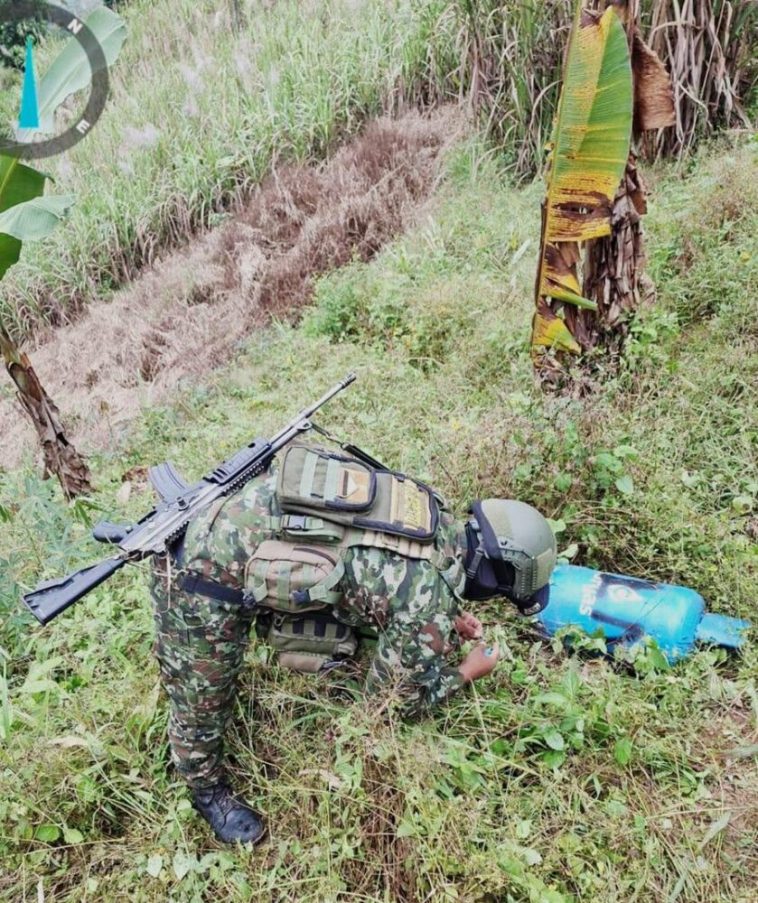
511,551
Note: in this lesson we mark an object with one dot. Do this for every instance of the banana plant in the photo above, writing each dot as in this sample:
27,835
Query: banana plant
591,254
590,147
26,214
613,273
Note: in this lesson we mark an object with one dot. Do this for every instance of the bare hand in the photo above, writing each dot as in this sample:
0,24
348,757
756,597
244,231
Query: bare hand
479,662
468,627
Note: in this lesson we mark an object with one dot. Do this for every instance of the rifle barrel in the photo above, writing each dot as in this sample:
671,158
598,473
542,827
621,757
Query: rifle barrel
307,413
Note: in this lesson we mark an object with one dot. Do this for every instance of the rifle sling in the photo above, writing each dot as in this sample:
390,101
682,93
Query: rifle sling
195,584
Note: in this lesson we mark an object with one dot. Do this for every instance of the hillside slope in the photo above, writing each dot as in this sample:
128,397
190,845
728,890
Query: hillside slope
564,776
206,98
194,307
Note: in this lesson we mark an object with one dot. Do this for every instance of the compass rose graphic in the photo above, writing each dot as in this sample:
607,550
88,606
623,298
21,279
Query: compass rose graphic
75,69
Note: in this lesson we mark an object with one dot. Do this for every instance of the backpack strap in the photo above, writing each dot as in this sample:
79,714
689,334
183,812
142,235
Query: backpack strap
325,590
197,585
451,571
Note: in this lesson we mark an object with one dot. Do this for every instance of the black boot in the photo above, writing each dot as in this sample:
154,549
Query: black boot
231,819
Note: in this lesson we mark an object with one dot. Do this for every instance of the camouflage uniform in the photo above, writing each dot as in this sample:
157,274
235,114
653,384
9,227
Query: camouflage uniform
200,641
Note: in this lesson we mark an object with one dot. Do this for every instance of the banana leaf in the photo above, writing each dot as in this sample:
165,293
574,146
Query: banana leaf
24,214
589,152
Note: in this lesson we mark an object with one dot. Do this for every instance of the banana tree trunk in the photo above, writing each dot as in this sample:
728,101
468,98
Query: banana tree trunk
60,456
613,272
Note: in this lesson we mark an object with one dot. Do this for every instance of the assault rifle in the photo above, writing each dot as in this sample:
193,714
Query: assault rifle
180,503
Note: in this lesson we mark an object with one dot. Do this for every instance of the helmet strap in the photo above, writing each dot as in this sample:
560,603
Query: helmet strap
473,567
487,536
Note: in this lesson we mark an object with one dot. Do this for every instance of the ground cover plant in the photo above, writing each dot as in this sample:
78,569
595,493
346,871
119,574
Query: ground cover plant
564,776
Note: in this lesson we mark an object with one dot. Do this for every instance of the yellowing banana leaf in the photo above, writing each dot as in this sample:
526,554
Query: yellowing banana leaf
589,153
549,331
593,129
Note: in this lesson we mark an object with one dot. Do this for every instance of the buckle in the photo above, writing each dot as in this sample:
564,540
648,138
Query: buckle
249,601
301,597
295,522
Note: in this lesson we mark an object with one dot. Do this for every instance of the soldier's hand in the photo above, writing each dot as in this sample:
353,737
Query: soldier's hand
468,627
479,662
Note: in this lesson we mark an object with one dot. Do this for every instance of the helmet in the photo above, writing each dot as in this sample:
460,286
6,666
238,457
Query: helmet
511,551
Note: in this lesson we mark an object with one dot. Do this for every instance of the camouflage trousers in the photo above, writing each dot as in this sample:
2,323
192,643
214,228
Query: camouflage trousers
201,642
200,646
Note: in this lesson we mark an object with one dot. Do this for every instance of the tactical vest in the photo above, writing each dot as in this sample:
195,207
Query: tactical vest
329,503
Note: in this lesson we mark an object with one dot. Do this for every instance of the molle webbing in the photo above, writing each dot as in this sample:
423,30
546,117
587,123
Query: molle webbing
301,529
317,482
310,642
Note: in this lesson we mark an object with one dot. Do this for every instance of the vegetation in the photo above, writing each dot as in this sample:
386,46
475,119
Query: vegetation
596,197
211,94
562,777
709,49
590,147
206,98
567,775
26,215
13,35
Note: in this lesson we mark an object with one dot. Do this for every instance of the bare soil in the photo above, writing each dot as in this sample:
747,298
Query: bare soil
191,311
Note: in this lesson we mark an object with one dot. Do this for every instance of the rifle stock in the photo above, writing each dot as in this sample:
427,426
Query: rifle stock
54,596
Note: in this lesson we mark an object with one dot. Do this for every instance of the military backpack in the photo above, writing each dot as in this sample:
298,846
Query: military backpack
325,504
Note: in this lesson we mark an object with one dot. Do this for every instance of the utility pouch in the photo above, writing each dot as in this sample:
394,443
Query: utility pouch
315,481
309,643
293,578
314,477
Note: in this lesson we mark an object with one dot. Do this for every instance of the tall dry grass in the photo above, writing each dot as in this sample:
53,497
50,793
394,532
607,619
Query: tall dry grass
710,49
510,56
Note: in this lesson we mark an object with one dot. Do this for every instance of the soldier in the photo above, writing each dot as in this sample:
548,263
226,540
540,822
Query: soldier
309,578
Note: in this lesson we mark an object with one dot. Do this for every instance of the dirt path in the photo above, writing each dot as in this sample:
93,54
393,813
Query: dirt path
189,313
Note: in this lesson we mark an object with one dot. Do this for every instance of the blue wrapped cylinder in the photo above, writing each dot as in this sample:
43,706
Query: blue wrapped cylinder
626,609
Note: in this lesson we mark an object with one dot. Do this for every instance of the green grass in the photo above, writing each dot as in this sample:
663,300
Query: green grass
564,776
200,111
207,96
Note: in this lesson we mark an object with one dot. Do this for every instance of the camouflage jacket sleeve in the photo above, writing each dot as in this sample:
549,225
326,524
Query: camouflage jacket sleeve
413,611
